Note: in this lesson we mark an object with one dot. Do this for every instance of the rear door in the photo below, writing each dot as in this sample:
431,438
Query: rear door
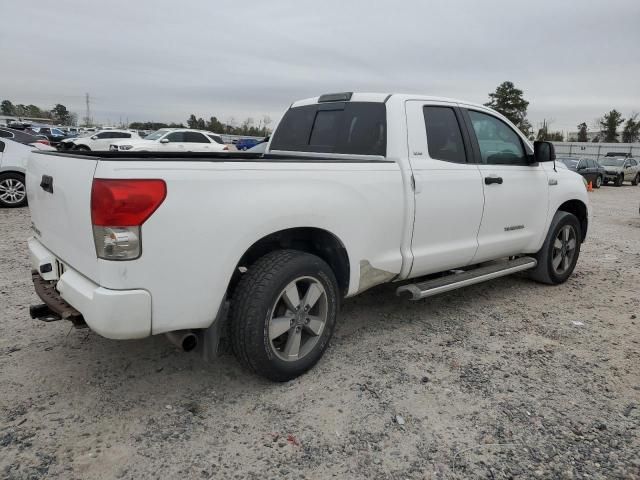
59,193
516,192
197,142
448,188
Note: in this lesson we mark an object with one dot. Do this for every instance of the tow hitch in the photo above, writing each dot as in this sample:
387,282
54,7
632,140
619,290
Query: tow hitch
54,307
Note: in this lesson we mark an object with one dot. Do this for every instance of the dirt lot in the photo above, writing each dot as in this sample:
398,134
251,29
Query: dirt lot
506,379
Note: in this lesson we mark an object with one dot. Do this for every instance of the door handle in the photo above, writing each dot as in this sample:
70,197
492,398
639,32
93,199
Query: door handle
490,180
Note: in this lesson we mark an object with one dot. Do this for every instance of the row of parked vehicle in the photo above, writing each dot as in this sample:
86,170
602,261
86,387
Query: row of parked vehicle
615,167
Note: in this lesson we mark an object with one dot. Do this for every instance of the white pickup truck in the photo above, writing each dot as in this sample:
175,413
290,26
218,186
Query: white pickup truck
257,251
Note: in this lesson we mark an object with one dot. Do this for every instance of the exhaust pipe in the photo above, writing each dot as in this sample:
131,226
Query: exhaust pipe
183,339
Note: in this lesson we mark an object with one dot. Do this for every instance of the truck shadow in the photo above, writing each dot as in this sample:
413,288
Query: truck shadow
156,369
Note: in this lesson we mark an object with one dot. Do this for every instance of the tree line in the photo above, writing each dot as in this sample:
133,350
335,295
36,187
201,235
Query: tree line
510,102
58,114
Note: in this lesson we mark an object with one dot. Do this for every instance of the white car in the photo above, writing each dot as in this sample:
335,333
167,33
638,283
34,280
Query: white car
13,164
173,140
354,190
99,141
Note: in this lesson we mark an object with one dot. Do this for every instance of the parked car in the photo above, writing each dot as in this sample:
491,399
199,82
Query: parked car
53,134
173,140
247,143
619,168
355,190
99,141
23,137
260,147
13,163
591,170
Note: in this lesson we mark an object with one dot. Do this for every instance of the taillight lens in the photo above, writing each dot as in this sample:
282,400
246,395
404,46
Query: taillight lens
118,209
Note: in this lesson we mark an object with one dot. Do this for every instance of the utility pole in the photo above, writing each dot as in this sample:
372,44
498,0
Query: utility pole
87,118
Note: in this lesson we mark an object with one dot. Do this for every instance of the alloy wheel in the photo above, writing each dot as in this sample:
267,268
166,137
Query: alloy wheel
12,191
298,319
564,249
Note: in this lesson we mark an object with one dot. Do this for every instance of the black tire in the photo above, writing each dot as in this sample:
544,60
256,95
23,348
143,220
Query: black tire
13,191
255,300
636,179
82,148
619,180
544,271
598,183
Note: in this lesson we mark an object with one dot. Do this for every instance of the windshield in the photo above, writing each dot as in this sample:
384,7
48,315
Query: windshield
570,162
57,132
156,135
613,162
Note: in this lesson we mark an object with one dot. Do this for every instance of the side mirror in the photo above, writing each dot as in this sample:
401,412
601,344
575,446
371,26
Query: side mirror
543,152
95,137
164,140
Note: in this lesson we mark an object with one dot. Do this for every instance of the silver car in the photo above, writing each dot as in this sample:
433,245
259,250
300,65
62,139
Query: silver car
620,168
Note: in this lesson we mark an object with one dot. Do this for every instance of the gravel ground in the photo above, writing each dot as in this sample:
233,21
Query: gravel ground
509,379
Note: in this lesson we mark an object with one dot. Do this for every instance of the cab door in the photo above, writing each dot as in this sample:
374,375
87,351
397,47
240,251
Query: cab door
516,191
448,188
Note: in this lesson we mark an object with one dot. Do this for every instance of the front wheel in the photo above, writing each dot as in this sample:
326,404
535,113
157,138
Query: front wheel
598,181
283,313
619,180
636,179
559,254
13,192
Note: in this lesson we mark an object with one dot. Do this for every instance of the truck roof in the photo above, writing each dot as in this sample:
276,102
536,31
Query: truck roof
378,97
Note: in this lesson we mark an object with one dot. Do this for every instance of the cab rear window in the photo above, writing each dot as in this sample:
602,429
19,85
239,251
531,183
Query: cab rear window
358,128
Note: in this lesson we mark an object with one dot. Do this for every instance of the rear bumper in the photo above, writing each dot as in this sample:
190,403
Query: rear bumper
117,314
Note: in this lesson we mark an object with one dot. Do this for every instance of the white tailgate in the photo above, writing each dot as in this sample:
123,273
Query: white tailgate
62,219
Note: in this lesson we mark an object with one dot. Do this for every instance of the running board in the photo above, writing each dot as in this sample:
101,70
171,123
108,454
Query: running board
469,277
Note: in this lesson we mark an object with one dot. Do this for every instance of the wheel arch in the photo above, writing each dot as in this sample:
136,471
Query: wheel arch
579,209
316,241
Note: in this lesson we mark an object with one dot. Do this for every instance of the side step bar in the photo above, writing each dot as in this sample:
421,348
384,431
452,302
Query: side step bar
469,277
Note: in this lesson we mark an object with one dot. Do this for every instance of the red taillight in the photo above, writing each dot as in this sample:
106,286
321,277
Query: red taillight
225,148
116,202
44,142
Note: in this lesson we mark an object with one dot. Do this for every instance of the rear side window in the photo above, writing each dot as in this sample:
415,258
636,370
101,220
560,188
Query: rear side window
216,138
358,128
1,146
195,137
444,137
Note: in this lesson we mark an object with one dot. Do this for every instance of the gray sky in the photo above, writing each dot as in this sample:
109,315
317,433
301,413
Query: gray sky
162,60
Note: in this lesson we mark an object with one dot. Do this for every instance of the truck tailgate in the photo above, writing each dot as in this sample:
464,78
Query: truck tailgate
59,193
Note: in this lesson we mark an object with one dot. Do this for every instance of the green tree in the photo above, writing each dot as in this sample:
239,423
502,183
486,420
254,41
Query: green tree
200,124
582,132
631,130
61,114
192,122
609,126
545,135
510,102
215,125
7,108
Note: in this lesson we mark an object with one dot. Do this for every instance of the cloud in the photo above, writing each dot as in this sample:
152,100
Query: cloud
163,60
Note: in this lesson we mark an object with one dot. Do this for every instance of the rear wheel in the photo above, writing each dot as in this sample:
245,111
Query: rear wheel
13,192
636,179
559,254
283,313
598,183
